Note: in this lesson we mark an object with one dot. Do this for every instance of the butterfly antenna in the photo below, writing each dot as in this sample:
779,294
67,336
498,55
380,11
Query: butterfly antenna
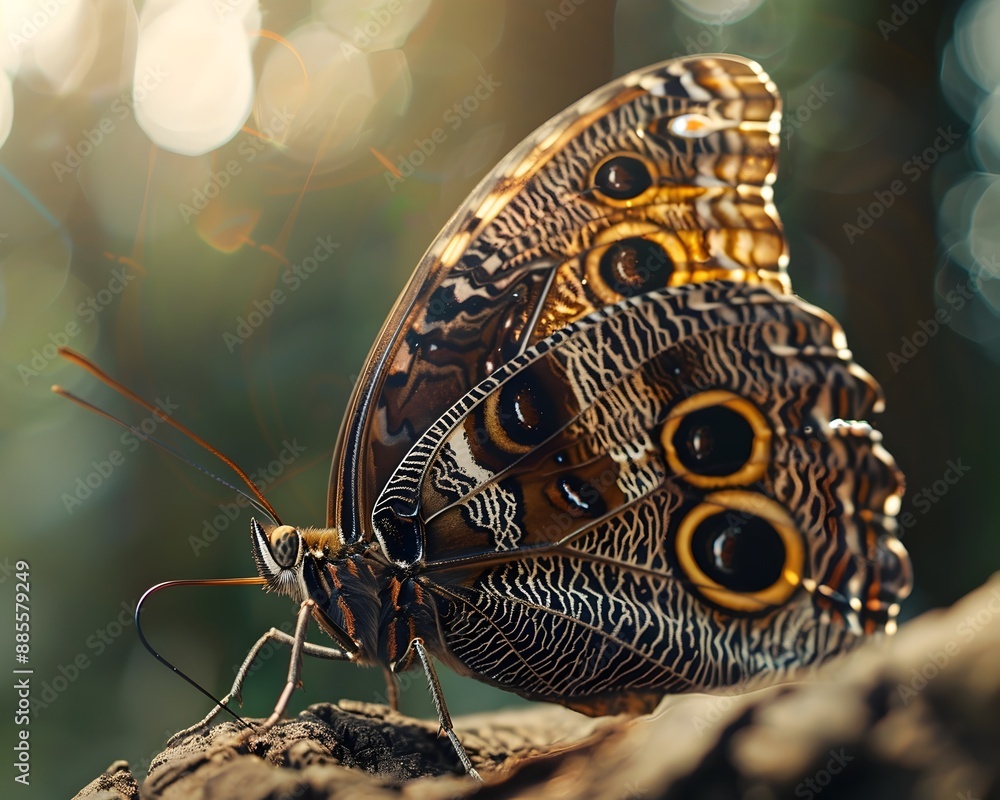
101,375
59,390
145,642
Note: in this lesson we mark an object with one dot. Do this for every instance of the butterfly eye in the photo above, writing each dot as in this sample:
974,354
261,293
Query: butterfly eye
623,177
716,439
285,542
741,551
278,554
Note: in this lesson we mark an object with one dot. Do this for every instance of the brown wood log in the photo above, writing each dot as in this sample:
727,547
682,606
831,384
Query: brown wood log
915,716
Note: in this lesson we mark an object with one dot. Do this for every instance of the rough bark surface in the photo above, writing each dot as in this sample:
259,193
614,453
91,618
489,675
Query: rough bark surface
917,716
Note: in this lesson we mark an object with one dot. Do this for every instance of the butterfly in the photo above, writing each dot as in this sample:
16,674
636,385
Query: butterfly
600,452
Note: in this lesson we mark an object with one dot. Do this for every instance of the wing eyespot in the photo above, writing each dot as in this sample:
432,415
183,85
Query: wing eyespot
629,267
623,179
519,415
717,439
741,551
576,497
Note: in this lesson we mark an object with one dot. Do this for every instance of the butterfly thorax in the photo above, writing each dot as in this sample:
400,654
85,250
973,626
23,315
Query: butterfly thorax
371,607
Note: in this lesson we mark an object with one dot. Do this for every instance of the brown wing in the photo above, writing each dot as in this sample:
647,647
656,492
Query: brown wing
660,178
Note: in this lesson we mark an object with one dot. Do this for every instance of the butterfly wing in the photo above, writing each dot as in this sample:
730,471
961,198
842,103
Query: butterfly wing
615,453
662,496
661,178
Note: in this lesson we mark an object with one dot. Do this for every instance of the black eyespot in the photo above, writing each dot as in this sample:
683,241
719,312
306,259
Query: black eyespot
739,552
634,266
716,438
622,178
714,441
525,412
576,497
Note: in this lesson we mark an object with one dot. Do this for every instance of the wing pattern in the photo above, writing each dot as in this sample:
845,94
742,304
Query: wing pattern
603,449
660,178
573,533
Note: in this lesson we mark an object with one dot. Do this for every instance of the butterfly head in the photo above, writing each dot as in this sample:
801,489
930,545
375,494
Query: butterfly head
281,551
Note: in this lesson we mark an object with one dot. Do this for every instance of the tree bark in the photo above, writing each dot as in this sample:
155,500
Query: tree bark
914,716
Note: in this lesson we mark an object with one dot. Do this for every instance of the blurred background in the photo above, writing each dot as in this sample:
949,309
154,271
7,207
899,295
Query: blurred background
167,166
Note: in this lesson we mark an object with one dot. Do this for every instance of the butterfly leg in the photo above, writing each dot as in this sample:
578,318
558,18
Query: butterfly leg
299,648
391,689
444,718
